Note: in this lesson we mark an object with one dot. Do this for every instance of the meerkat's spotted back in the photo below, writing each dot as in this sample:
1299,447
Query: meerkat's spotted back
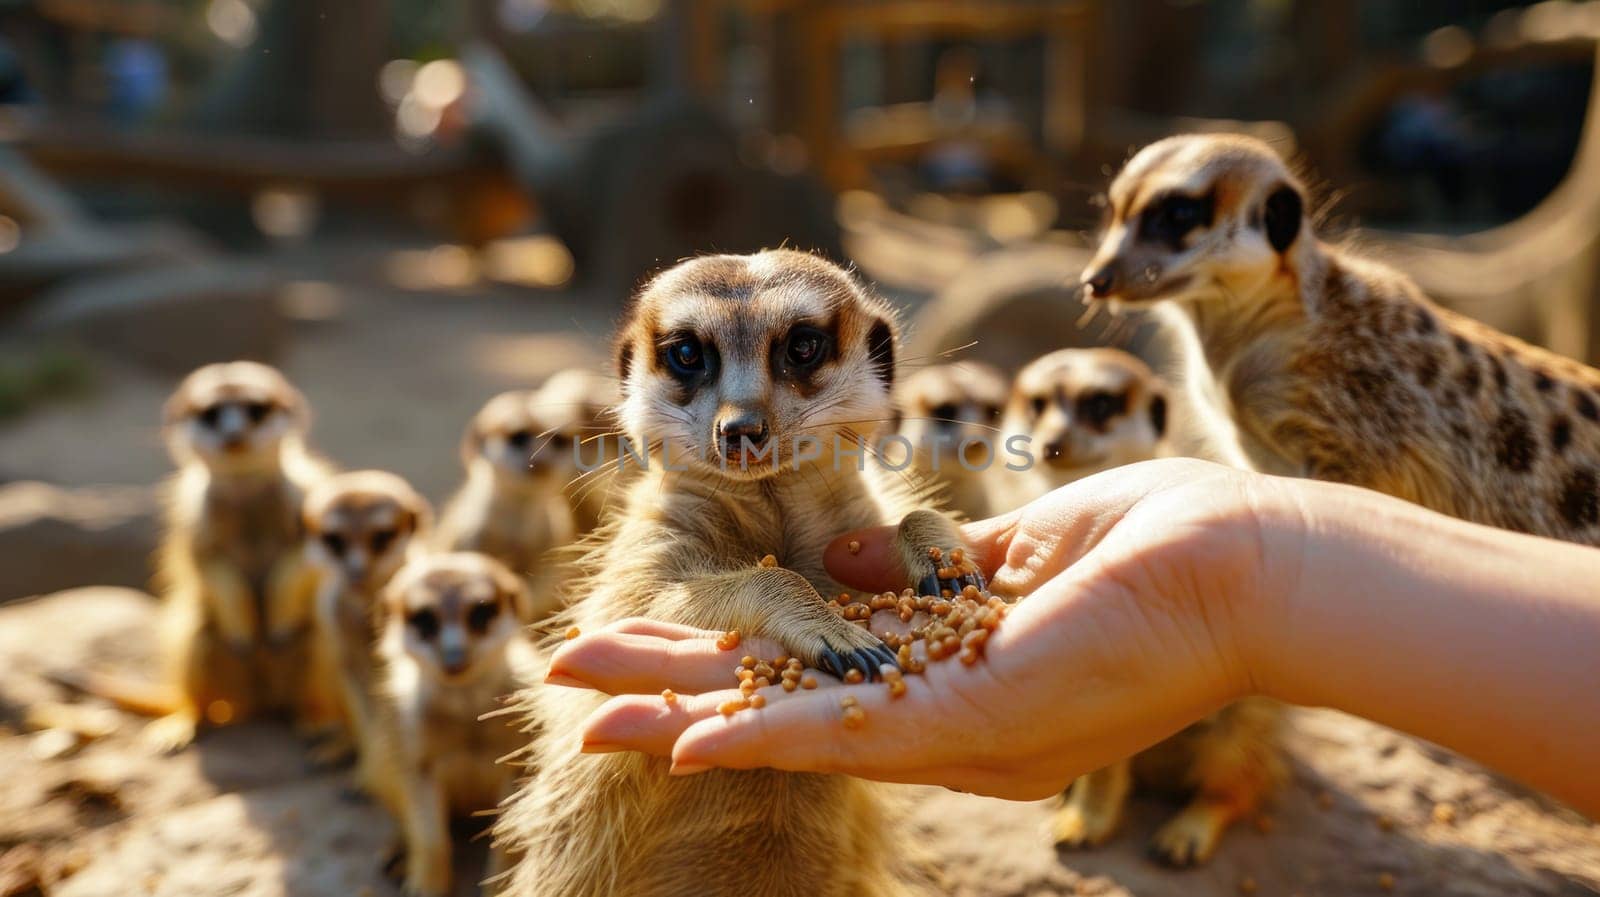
1338,367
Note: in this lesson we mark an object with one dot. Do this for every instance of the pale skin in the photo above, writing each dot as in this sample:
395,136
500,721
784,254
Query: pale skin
1157,593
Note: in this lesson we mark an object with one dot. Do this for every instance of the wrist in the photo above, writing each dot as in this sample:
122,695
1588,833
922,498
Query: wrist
1279,522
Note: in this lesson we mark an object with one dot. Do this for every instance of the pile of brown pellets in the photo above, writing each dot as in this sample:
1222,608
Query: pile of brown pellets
951,624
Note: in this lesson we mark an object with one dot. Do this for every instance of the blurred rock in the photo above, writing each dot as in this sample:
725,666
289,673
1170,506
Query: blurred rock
53,538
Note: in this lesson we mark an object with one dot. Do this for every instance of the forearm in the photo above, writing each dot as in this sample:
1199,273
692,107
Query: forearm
1482,640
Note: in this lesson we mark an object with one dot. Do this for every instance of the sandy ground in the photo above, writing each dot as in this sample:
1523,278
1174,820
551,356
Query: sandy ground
393,378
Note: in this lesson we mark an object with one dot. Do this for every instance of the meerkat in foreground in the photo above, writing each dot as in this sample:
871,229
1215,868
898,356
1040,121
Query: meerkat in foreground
949,413
237,590
360,527
1082,411
755,382
450,651
512,506
578,403
1337,367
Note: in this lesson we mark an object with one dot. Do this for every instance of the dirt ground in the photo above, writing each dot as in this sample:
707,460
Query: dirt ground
393,378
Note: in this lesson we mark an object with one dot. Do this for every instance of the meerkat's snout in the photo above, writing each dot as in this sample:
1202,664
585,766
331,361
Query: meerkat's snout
741,433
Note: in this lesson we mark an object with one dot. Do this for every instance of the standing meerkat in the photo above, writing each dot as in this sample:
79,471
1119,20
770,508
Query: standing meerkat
752,380
451,650
236,588
1082,411
360,527
512,506
1337,367
578,404
949,414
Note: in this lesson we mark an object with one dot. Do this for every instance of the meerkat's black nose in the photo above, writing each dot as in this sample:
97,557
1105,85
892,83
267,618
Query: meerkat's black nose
745,426
1101,282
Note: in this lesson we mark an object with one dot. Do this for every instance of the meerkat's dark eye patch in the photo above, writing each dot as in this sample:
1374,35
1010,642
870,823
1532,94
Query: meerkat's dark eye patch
687,358
480,615
211,414
1171,217
806,347
992,412
425,622
334,543
946,412
520,439
257,411
1281,217
1099,407
382,539
1158,415
1038,404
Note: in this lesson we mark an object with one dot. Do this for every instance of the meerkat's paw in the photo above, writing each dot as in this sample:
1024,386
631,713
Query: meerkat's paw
935,559
169,734
1077,825
869,660
1189,838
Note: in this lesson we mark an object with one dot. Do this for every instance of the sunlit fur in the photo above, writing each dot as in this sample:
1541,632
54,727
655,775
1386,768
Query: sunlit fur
944,407
684,548
579,404
360,527
237,593
1053,403
518,459
451,648
1337,367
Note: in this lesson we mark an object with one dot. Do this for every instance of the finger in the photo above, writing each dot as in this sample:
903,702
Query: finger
651,724
660,629
625,663
875,564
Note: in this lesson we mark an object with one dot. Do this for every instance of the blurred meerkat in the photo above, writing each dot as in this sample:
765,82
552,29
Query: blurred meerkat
236,588
512,506
949,414
451,649
726,362
360,527
1082,411
1337,367
578,405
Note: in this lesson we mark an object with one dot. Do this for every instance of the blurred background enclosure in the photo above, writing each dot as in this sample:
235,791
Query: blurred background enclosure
411,205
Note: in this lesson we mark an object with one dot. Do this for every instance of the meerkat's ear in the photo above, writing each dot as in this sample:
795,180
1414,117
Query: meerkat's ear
880,351
1158,414
1281,217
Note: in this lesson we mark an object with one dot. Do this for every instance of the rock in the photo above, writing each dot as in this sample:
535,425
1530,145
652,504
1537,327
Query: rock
54,538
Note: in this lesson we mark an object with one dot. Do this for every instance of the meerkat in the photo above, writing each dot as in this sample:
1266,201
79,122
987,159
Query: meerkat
1336,367
949,413
1081,411
451,648
578,404
756,382
236,589
512,506
360,527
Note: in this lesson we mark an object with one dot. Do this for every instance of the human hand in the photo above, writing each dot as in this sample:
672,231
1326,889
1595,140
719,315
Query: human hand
1142,583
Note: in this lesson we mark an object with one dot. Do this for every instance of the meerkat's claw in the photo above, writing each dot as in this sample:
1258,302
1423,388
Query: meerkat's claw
1189,838
830,663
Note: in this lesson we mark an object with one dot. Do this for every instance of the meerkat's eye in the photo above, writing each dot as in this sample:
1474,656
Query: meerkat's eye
520,439
334,543
210,415
807,346
686,356
992,412
481,615
382,539
257,411
1038,405
1170,219
425,622
1099,407
945,412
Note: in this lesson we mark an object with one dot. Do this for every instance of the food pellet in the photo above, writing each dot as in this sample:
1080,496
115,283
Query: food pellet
1444,813
790,685
761,682
853,547
769,560
934,554
669,696
1247,885
729,640
853,717
1385,824
763,670
747,687
854,677
808,682
1386,881
757,702
729,708
573,633
747,662
897,688
849,701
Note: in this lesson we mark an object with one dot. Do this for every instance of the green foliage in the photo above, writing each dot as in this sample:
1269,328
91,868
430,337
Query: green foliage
30,377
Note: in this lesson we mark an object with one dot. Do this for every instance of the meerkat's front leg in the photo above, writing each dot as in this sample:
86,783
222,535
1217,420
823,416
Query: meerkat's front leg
291,591
231,603
925,541
1093,809
425,821
781,605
